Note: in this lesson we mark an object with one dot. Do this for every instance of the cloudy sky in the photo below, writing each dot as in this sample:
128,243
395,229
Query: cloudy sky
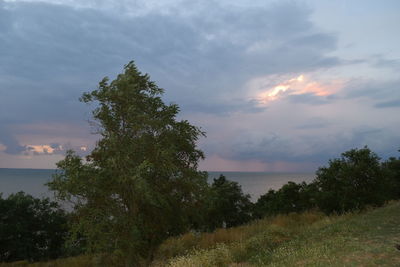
277,85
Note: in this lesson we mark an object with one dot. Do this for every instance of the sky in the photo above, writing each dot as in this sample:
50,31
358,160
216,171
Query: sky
278,86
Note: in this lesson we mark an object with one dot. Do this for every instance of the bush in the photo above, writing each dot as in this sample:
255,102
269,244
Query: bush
31,228
292,197
391,170
355,180
351,182
229,207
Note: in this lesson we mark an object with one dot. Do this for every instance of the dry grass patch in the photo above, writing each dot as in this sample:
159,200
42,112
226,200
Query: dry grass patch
267,233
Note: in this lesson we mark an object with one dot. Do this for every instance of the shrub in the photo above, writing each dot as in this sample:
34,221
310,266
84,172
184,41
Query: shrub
292,197
30,228
391,170
351,182
229,206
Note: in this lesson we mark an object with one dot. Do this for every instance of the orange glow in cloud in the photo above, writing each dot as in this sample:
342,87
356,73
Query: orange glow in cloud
47,149
42,149
297,86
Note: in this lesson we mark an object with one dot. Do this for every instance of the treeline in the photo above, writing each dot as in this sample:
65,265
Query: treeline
356,180
31,229
352,182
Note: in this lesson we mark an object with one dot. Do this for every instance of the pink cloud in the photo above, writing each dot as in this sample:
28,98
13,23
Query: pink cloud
271,88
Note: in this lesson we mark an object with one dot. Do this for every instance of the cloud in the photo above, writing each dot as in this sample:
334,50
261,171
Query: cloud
202,53
309,98
381,61
381,94
300,89
46,139
234,105
389,104
283,147
313,123
305,134
55,149
8,140
219,61
43,149
63,50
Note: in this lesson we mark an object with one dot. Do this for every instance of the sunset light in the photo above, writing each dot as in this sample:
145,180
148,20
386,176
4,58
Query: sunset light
298,86
41,149
132,131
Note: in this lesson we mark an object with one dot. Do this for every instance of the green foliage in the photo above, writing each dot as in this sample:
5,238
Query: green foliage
351,182
228,205
292,197
305,239
140,184
391,169
31,228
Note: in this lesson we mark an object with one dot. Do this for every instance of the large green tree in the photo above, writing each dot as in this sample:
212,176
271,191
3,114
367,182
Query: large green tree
140,184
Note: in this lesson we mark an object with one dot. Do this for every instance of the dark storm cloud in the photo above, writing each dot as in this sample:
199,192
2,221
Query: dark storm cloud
62,51
7,139
248,106
312,148
50,54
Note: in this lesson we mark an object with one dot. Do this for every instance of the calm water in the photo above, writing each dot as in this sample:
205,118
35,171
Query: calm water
32,181
258,183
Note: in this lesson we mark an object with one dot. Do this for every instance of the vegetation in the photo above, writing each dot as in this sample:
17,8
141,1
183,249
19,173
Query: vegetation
140,184
227,205
138,196
297,239
391,172
30,228
308,239
352,182
291,197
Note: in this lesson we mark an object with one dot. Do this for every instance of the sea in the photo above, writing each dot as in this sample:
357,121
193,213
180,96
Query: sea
32,181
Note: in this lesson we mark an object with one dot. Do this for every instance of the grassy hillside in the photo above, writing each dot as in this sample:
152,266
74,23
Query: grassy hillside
308,239
366,239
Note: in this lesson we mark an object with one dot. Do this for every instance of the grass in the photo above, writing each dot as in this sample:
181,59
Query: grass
78,261
363,239
366,239
308,239
183,245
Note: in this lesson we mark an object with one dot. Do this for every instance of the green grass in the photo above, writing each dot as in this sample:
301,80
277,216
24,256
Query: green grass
364,239
308,239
